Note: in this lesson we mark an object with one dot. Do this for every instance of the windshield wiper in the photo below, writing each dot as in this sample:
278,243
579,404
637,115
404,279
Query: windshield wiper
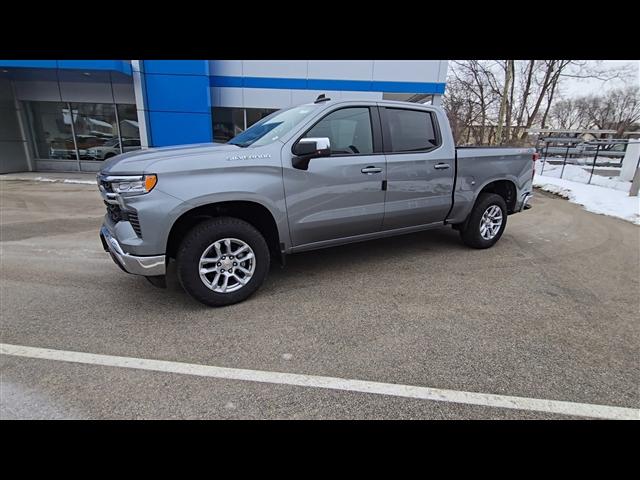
241,145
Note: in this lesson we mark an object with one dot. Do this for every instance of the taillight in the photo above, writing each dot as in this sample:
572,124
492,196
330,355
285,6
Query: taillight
536,156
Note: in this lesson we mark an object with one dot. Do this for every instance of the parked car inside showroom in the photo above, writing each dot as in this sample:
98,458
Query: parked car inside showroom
111,148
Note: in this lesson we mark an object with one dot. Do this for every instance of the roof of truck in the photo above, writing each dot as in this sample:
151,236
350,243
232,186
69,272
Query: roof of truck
371,101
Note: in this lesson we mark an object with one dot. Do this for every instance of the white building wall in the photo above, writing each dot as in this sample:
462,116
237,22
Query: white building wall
431,71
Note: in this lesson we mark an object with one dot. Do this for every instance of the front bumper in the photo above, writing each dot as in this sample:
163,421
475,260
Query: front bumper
147,266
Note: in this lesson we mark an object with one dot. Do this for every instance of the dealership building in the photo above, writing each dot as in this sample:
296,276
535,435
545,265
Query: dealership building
71,115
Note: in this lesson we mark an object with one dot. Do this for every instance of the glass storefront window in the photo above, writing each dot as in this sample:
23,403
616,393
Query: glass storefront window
95,125
227,123
129,128
256,114
100,131
51,130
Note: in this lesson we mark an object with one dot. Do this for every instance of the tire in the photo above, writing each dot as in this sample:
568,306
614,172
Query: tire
471,232
202,239
109,155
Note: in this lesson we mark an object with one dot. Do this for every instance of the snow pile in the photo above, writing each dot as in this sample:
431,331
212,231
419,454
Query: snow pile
601,160
594,198
83,182
37,179
580,174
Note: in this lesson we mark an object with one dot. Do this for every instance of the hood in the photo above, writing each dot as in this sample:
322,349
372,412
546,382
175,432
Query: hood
141,161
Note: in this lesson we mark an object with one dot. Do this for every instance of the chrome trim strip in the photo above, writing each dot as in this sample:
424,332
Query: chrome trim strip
147,266
119,178
109,197
123,178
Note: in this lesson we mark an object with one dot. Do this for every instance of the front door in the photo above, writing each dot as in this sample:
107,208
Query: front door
341,195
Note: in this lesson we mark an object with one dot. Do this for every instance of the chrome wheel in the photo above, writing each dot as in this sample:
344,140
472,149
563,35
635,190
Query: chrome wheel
227,265
491,222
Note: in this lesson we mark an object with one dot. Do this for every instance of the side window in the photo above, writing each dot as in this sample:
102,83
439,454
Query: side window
411,130
348,130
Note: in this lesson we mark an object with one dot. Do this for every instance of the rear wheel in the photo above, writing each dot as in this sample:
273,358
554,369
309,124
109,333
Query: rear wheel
486,223
222,261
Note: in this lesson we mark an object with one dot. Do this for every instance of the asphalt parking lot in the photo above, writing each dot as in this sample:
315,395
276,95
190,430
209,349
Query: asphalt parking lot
551,312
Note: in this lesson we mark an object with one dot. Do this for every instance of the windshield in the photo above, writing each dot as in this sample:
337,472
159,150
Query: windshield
272,127
111,143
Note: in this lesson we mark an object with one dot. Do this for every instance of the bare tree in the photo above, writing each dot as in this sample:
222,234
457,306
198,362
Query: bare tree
569,114
506,98
475,81
505,104
616,110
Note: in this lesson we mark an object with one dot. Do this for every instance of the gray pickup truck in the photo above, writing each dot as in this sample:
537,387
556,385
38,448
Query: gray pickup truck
308,177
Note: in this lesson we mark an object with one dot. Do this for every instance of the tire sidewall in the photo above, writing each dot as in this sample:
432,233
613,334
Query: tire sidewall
199,239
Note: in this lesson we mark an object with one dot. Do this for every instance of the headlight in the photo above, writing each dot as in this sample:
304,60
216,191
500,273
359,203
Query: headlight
134,185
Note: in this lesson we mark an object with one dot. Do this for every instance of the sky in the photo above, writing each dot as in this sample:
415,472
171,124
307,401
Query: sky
574,87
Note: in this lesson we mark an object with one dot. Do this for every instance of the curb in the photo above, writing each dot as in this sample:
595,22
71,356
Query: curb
6,178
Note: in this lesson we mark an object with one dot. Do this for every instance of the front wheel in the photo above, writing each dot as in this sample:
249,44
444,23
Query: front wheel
486,222
222,261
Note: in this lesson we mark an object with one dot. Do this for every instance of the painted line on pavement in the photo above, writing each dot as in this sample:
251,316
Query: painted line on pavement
332,383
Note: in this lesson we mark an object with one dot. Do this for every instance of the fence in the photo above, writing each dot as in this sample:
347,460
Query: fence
608,155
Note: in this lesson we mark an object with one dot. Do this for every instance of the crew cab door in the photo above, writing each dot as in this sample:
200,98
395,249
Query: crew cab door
339,195
420,169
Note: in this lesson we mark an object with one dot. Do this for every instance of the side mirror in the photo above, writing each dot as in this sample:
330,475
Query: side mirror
308,148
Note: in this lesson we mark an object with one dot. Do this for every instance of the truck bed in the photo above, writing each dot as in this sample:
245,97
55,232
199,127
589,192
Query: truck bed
477,167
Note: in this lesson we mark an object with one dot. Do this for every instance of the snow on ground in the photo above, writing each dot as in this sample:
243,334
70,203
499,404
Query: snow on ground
605,195
581,174
601,160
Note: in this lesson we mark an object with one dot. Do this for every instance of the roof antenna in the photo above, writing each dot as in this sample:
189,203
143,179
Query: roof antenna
322,98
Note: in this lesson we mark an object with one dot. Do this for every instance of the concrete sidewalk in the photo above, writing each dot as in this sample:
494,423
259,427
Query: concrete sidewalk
88,178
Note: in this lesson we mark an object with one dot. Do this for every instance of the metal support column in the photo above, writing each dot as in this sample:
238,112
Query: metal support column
594,162
73,134
544,160
566,153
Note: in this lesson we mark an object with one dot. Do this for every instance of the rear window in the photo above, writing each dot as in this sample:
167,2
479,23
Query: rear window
411,130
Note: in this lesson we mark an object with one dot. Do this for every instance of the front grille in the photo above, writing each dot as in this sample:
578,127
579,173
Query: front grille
116,214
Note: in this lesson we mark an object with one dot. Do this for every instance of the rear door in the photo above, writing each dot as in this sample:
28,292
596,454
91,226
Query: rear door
341,195
420,172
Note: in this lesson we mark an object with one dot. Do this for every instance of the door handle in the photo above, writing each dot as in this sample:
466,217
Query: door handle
370,170
441,166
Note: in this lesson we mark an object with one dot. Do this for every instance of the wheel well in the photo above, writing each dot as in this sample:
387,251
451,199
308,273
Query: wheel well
506,189
251,212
